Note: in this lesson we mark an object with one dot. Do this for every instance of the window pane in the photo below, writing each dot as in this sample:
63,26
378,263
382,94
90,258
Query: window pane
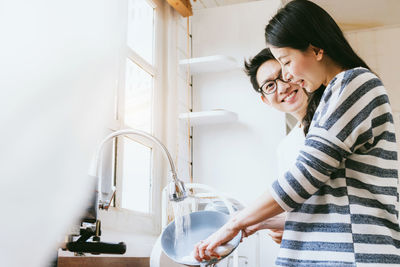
138,98
136,178
141,28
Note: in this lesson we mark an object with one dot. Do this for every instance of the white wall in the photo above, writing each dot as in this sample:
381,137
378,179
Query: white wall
237,158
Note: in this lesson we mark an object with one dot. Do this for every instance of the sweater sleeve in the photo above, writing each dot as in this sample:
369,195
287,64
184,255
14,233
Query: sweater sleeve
342,123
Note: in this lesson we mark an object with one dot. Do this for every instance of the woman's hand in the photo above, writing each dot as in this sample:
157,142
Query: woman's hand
263,208
204,250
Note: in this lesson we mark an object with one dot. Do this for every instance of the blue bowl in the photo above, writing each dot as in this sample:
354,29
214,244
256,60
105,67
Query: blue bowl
202,225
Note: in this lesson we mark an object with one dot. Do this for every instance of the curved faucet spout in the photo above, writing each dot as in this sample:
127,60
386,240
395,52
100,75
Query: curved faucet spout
177,188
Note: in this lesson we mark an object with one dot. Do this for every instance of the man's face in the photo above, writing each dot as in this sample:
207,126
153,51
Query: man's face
288,97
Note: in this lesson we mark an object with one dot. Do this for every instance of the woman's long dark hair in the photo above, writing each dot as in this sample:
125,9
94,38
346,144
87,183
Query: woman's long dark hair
253,64
301,23
313,101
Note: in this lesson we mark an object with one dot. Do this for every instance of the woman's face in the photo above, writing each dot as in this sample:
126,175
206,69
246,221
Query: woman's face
301,67
288,97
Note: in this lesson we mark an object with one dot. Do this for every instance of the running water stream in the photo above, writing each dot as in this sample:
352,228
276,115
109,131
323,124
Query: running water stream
182,220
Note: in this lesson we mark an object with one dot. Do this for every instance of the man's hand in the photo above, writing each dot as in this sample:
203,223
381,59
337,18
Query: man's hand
248,231
276,235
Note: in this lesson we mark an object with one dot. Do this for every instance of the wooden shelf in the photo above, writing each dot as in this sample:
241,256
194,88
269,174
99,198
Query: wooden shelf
209,64
209,117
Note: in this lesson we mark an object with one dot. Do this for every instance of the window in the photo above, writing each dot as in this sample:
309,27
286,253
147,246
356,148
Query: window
137,160
141,28
136,177
138,108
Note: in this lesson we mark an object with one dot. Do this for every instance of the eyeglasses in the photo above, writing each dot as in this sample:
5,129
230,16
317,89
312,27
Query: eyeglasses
269,87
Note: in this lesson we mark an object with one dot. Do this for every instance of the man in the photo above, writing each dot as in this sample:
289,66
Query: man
266,77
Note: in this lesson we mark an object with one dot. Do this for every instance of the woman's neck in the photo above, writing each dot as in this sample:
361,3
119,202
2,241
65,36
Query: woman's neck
331,69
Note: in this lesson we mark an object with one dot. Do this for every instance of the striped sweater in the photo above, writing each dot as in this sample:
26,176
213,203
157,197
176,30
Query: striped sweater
341,193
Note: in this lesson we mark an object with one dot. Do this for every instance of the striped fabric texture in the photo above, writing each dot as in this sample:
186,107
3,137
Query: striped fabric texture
341,194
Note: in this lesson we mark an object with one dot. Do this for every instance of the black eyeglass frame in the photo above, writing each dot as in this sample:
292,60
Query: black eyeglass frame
276,86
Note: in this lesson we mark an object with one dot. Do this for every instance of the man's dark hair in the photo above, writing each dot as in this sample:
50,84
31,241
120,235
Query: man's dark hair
253,64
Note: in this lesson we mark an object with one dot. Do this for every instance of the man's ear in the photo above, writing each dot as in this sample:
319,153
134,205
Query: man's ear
319,52
265,100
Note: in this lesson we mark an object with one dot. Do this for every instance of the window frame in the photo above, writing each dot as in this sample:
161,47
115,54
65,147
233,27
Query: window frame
125,219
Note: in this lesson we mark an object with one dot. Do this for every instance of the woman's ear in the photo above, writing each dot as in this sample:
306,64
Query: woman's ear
265,100
319,52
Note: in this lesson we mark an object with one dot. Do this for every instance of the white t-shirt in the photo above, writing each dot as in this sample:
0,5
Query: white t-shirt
289,148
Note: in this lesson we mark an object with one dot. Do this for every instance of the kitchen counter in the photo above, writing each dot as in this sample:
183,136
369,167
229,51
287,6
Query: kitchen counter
103,261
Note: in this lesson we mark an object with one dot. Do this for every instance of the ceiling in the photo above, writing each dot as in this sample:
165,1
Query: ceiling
349,14
201,4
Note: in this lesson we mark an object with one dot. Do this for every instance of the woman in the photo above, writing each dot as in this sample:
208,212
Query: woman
341,194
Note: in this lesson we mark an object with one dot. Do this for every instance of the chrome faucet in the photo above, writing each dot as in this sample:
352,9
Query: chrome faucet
91,228
176,187
177,191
